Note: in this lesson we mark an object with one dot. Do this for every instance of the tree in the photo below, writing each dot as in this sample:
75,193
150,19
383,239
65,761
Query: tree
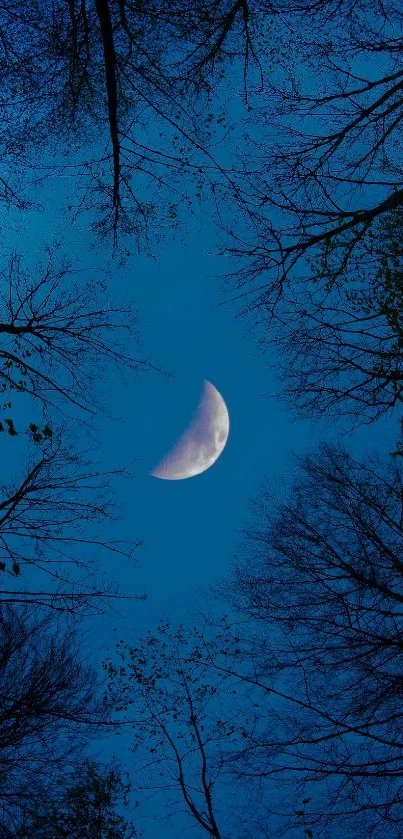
110,70
189,723
320,581
86,807
59,335
57,340
322,180
50,708
50,520
332,169
342,350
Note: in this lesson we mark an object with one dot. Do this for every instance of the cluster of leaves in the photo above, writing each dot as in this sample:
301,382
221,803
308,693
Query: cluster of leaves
38,435
83,805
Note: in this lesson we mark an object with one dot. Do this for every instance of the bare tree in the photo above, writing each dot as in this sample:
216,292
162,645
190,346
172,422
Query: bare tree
50,708
320,580
321,163
342,350
56,342
59,335
125,73
51,522
188,724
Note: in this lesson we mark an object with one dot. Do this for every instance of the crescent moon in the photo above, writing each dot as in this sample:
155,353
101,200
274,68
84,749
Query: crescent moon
202,443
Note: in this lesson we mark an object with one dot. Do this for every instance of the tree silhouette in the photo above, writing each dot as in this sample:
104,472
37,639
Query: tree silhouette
320,580
184,735
81,805
50,708
57,339
329,169
51,520
110,71
342,351
60,334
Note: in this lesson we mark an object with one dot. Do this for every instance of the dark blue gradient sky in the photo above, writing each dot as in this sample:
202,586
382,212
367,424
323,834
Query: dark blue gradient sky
188,529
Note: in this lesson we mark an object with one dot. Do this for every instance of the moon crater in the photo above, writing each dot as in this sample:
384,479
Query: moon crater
202,443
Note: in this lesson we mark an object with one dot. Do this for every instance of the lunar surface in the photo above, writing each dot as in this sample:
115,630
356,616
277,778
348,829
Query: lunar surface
202,443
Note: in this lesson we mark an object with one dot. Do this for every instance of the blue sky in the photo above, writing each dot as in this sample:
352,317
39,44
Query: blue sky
189,529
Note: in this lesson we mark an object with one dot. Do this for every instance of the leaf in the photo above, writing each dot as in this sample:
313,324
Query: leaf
11,428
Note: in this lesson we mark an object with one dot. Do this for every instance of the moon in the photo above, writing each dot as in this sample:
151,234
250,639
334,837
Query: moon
202,443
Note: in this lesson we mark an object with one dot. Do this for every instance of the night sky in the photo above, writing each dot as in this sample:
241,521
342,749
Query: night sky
189,529
190,330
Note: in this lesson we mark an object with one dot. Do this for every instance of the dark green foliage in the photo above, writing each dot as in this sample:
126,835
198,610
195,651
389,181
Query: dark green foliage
10,426
50,710
84,804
